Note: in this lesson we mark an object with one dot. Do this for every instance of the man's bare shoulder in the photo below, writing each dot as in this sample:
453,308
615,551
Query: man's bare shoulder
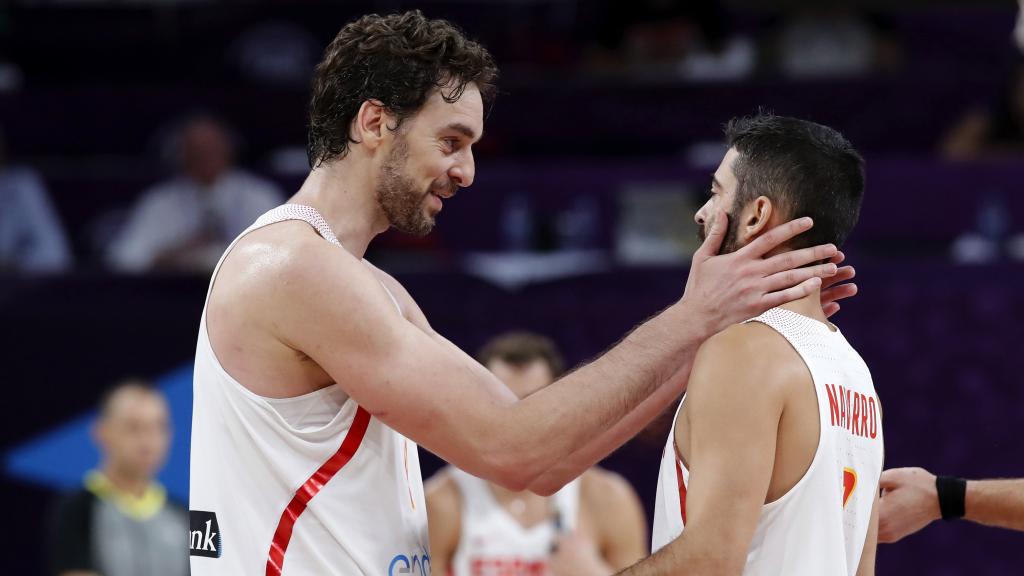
745,354
283,264
600,486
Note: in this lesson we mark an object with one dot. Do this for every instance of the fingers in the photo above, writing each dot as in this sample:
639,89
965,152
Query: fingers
790,294
830,309
777,236
842,275
798,258
788,278
887,483
838,292
713,242
838,258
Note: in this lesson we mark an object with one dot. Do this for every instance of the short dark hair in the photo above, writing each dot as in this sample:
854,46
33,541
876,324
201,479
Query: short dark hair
398,59
522,348
806,169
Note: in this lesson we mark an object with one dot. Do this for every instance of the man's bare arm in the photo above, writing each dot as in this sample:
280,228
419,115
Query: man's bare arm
599,448
336,312
629,426
910,502
996,503
733,408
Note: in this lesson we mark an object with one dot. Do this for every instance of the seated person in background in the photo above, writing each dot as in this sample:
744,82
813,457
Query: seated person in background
186,223
773,463
31,236
997,130
594,525
121,523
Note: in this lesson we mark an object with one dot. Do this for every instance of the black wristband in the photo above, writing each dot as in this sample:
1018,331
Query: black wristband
952,496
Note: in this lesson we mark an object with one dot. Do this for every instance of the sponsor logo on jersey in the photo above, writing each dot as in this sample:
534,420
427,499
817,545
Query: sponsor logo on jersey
418,564
204,534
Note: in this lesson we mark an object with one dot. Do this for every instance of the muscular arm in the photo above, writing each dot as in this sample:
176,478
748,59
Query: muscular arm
607,442
733,407
444,518
910,502
834,289
328,305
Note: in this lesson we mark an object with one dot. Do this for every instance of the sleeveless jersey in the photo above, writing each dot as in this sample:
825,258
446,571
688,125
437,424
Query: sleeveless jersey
818,527
305,485
493,543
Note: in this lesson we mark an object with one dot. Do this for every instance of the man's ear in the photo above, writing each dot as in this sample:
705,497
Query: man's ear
371,124
754,219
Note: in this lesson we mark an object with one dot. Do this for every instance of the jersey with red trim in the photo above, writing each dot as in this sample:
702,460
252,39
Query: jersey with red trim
305,485
818,528
493,543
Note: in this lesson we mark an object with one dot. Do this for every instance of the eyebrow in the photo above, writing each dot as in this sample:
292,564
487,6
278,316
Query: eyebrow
464,130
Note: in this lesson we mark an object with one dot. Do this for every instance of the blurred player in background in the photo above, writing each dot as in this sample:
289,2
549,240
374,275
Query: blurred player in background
594,525
122,523
773,462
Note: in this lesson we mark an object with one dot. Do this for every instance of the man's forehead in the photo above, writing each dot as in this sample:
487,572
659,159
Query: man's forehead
724,174
465,115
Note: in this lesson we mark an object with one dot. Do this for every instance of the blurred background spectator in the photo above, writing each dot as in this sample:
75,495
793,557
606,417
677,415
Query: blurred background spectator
995,130
122,523
579,224
187,222
31,237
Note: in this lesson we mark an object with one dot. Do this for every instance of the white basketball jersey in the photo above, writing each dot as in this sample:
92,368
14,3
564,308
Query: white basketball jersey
493,543
298,486
818,527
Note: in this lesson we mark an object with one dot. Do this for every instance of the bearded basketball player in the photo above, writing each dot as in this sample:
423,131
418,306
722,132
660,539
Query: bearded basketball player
773,463
317,375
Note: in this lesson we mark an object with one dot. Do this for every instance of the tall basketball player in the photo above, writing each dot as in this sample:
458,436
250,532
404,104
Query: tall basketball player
316,374
594,525
773,463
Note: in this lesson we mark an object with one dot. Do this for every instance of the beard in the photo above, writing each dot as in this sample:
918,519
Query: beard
730,243
398,197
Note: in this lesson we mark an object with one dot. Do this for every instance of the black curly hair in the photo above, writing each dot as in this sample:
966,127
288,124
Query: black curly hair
398,59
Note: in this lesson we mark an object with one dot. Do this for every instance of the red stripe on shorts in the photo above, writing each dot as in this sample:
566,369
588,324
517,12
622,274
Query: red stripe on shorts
310,488
682,491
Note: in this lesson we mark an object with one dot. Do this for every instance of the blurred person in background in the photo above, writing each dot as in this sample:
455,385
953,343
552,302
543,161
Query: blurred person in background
186,223
995,130
594,525
1018,32
834,40
122,523
913,498
31,236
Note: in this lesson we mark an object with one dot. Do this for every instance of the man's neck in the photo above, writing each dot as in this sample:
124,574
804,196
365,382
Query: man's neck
342,192
809,306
